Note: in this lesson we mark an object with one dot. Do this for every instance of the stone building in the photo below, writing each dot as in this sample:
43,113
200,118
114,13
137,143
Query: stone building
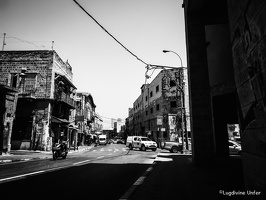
44,99
8,103
226,69
85,117
161,100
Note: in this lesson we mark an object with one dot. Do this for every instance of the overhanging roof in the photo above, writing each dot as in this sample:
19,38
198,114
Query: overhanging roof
59,120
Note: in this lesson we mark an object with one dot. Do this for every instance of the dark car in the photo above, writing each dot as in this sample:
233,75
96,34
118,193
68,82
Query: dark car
120,141
173,147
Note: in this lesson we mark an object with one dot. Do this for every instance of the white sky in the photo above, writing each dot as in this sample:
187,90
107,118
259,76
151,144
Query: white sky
100,65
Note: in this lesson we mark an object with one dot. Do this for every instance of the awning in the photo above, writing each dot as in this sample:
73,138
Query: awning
59,120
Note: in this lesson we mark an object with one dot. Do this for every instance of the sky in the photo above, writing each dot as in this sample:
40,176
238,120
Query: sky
100,65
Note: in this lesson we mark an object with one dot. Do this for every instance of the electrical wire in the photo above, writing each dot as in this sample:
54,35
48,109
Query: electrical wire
109,33
25,41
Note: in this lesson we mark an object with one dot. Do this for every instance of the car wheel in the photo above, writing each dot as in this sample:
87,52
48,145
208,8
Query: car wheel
143,148
153,149
55,155
174,149
64,157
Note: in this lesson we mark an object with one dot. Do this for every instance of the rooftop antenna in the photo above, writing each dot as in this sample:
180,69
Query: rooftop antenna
52,45
4,42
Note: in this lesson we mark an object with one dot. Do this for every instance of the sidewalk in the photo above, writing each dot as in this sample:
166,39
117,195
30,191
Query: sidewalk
174,177
27,155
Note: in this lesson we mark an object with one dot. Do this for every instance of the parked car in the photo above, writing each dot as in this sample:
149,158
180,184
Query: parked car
234,147
120,141
172,146
141,142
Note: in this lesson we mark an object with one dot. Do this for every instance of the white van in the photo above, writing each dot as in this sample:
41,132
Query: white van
102,139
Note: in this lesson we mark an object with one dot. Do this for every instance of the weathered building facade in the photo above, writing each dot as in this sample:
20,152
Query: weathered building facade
226,68
160,112
44,100
8,103
85,117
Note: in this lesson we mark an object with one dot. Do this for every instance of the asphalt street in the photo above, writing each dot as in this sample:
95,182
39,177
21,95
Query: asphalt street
104,172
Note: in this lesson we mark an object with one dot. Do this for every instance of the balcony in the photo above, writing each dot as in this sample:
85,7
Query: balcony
63,97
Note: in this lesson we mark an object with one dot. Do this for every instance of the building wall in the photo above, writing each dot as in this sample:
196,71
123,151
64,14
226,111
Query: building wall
38,62
212,86
36,94
203,149
8,102
155,100
247,21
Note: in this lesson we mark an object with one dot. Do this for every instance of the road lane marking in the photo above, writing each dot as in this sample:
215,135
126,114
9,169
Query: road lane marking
84,161
100,157
20,176
149,169
140,180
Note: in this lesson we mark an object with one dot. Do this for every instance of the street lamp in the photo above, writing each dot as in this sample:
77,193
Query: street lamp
181,88
166,51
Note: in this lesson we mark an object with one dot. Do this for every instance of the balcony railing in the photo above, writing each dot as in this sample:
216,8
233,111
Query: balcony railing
66,99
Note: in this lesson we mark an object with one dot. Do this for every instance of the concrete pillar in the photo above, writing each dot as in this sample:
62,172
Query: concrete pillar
200,101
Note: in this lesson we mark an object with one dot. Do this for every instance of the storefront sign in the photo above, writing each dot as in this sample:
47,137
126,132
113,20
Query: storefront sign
172,121
159,120
79,118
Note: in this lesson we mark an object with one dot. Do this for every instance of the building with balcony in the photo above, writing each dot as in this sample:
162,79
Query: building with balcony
85,118
158,111
45,97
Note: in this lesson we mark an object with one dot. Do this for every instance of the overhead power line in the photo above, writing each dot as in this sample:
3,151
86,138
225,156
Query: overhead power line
109,33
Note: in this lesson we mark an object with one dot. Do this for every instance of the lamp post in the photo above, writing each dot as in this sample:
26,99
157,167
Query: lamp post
179,87
183,111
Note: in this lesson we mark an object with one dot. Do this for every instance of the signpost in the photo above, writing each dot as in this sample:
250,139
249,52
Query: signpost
159,124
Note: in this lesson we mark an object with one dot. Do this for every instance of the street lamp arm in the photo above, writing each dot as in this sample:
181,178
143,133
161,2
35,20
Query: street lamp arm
150,66
166,51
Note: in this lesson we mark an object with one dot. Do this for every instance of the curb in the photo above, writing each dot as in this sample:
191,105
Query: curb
22,159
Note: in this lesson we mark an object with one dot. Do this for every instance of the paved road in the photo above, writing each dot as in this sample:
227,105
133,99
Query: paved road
104,172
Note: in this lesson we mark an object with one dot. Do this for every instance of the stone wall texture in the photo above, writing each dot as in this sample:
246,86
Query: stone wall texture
247,21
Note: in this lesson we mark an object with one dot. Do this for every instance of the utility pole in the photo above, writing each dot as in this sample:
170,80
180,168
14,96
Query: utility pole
4,42
179,88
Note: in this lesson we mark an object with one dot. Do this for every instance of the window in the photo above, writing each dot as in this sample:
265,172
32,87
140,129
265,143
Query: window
157,107
173,104
14,80
151,94
30,82
146,112
157,88
151,110
172,83
146,98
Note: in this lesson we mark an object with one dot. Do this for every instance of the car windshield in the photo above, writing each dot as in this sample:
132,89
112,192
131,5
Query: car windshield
145,139
102,138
